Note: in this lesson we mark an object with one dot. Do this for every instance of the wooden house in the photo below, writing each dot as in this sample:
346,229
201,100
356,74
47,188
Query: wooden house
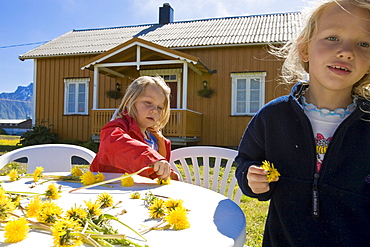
219,70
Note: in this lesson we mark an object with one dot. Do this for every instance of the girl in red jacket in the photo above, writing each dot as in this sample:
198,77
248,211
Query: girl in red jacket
133,140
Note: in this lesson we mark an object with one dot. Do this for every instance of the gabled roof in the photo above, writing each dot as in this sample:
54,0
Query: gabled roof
243,30
116,55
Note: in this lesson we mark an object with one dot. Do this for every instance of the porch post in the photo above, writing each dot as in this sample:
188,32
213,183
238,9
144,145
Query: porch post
184,85
95,88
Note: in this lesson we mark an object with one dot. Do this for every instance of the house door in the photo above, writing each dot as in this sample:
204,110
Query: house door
173,99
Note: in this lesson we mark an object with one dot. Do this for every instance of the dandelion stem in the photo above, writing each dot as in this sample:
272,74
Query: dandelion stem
111,180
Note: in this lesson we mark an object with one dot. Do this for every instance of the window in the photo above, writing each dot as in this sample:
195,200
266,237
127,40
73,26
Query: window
76,96
248,92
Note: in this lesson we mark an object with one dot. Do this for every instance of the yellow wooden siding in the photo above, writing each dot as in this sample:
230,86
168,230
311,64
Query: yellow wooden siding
51,73
219,127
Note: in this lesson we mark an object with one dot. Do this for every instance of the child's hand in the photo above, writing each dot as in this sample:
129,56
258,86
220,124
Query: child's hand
162,168
257,179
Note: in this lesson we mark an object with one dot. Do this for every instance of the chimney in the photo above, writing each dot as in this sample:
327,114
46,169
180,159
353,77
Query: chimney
165,14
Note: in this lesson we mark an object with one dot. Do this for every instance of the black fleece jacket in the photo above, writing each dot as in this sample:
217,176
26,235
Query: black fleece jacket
282,134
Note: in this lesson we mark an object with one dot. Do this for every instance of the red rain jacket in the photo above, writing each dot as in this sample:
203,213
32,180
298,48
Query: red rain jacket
123,149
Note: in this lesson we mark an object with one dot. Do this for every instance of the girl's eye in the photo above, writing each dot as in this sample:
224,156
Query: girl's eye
363,44
160,108
332,38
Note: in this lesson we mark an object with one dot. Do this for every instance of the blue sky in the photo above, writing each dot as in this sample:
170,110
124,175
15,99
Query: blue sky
27,23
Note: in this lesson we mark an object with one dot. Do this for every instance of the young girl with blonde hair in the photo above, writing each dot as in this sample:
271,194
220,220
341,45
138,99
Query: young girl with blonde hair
133,140
318,137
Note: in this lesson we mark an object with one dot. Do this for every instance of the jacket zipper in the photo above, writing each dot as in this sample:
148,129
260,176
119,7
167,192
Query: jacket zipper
315,196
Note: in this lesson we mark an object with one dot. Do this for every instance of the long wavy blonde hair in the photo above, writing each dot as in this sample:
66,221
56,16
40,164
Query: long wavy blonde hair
294,69
136,88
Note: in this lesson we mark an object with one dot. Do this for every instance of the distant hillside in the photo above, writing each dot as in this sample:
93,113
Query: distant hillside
17,105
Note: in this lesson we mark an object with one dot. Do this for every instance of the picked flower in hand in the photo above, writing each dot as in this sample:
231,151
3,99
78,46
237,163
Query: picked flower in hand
272,172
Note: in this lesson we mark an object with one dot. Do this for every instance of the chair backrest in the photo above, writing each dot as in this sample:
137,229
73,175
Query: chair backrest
202,158
52,157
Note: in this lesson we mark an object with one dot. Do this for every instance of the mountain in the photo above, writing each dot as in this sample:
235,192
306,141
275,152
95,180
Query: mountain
17,105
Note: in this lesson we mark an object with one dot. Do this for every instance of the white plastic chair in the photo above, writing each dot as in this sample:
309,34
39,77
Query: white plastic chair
207,157
52,157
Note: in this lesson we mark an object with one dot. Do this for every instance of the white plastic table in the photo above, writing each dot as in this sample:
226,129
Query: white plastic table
214,219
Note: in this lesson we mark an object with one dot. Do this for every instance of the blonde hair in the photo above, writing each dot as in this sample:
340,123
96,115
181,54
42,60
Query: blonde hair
133,92
294,68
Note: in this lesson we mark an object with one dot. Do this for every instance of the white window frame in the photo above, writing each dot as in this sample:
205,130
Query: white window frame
76,81
248,76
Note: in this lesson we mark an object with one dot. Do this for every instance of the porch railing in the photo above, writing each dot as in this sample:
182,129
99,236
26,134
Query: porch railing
182,122
100,118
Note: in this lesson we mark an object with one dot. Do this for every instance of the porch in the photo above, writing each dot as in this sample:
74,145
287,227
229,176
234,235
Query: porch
183,127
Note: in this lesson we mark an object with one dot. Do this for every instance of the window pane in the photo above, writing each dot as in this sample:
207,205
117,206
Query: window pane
81,88
255,83
241,96
71,98
81,97
71,107
172,77
254,107
241,84
72,88
166,77
240,107
81,107
255,96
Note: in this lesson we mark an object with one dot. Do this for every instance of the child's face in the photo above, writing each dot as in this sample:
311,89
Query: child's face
339,54
149,106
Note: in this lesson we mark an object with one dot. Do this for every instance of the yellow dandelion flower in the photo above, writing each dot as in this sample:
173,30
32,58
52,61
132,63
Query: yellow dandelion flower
52,192
16,230
272,172
93,208
62,232
2,193
105,199
76,172
99,177
171,204
157,209
127,182
163,181
49,213
13,175
7,206
76,214
16,199
37,174
88,178
178,219
34,207
135,195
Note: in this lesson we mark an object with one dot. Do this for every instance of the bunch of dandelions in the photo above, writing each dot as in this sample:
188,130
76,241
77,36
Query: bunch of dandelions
80,224
272,172
171,211
87,223
89,178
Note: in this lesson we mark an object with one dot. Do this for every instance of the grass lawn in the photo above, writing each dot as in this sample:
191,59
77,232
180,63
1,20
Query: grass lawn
254,210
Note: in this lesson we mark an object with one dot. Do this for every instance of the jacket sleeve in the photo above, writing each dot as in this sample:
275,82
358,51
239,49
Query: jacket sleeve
251,151
120,152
